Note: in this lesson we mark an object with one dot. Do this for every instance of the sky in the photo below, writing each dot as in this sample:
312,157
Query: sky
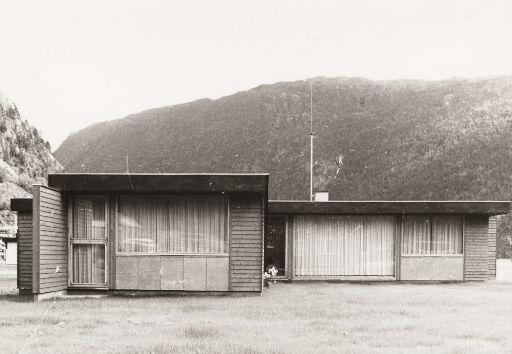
69,64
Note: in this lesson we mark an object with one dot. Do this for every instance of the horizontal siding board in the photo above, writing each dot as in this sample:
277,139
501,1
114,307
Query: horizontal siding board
24,266
246,243
52,256
476,265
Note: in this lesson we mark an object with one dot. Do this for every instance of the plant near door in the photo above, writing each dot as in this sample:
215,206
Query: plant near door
269,276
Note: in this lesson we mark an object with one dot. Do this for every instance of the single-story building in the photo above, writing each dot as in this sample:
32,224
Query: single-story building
8,244
383,240
142,232
218,232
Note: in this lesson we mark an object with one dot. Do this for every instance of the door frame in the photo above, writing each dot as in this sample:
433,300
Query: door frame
72,241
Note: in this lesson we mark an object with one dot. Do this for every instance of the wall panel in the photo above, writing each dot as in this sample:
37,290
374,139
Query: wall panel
172,273
432,268
24,267
491,247
50,241
218,274
476,239
194,273
246,242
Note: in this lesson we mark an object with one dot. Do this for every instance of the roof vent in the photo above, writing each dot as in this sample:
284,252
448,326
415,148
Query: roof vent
321,196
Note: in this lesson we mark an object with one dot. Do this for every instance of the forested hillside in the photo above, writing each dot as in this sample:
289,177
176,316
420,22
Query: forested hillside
25,158
398,139
401,140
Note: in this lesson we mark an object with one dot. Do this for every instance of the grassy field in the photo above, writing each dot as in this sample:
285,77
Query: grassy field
288,318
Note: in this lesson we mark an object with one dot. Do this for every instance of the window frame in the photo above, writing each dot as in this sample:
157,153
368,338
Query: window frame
227,221
430,216
83,241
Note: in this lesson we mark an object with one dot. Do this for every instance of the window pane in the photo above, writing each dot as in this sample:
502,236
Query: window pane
89,218
88,264
416,235
172,224
446,235
344,245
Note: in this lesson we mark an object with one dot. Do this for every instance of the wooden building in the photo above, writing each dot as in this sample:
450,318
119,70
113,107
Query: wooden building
142,232
217,233
383,241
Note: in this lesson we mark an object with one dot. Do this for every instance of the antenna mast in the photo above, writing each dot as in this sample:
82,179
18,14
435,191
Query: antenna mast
311,142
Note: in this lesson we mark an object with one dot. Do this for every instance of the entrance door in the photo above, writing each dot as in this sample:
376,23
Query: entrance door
275,243
88,241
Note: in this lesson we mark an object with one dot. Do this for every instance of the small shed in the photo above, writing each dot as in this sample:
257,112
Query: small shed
143,232
383,240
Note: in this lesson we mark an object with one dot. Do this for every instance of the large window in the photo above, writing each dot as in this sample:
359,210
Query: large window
88,240
172,224
344,245
432,235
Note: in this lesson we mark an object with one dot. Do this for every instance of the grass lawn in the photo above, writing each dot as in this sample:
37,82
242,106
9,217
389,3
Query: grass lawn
288,318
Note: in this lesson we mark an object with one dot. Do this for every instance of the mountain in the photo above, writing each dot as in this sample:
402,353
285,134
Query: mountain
25,158
401,139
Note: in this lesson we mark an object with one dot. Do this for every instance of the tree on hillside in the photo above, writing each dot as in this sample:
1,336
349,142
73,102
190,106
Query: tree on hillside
504,237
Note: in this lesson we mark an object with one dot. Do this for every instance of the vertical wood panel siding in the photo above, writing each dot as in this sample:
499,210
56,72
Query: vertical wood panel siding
246,242
476,248
25,252
51,238
491,244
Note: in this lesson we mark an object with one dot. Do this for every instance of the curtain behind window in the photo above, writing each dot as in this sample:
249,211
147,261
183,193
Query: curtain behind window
447,235
425,235
344,245
416,235
88,239
89,218
88,264
172,224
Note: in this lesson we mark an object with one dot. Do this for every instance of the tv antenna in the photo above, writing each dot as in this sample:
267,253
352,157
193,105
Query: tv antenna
311,136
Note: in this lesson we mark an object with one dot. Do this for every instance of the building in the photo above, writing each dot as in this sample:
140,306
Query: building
208,233
140,232
383,240
8,244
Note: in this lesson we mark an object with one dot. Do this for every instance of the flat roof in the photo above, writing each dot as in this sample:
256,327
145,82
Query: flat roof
160,182
286,207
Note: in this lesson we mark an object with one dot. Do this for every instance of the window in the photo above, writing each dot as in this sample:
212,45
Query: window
88,240
275,243
172,224
344,245
432,235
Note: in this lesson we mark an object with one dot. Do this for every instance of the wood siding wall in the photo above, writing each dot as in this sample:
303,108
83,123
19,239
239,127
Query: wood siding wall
246,242
25,252
50,241
476,248
491,244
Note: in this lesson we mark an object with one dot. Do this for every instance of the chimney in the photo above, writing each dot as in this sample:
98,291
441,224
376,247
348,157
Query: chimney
321,196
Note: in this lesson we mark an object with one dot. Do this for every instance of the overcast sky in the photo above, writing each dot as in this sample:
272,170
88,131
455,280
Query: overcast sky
68,64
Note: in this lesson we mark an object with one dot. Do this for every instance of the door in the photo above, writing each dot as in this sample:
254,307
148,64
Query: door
344,245
275,243
88,241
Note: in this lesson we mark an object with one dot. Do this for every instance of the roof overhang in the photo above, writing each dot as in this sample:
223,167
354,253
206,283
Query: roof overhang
389,207
21,205
159,182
